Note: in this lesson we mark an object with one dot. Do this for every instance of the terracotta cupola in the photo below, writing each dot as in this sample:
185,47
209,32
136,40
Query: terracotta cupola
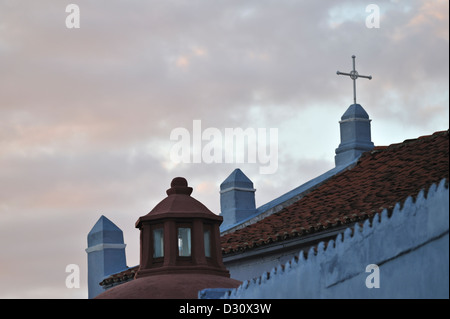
180,250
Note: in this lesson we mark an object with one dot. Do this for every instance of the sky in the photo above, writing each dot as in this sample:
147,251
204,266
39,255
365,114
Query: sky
86,114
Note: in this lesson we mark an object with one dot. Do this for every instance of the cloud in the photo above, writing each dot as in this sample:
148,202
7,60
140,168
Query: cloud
86,114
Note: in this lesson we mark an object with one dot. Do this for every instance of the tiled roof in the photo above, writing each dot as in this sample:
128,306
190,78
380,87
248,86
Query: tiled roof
381,178
120,277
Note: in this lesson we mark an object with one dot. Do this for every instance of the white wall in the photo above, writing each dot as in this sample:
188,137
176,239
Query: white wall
411,249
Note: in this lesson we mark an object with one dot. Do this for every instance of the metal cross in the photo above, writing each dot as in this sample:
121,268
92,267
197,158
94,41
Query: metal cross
354,75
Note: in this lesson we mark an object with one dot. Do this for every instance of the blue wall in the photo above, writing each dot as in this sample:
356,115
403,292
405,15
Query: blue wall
106,253
411,249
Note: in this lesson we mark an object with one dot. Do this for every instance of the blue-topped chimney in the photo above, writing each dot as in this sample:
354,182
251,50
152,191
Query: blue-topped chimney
237,198
355,135
106,253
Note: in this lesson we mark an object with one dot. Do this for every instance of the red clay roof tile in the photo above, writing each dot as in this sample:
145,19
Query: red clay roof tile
383,177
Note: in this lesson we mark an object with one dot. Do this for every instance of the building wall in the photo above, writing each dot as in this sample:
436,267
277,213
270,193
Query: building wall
253,267
250,264
411,249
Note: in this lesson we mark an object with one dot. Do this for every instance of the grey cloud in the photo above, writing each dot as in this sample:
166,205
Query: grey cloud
86,115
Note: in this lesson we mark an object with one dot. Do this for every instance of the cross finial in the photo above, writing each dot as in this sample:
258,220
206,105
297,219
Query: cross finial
354,75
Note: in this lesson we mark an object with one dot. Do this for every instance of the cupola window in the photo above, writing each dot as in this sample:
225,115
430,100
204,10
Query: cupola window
158,242
207,240
184,241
